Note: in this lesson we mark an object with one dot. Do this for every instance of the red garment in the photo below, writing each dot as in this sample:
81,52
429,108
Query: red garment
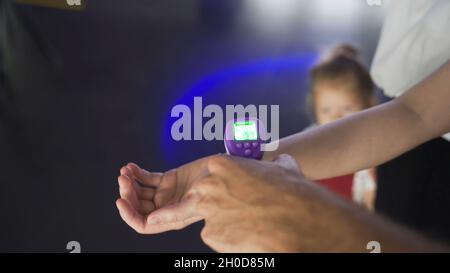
341,185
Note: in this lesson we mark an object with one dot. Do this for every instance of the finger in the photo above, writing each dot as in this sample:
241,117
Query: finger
123,170
144,193
207,192
127,191
169,191
131,216
209,187
154,228
287,162
174,217
145,177
146,206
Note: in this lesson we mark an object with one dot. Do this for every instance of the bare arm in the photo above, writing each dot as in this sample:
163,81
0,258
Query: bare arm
374,136
242,196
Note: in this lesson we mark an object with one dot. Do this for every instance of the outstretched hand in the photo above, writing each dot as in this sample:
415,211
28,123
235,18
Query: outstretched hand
254,206
157,202
231,194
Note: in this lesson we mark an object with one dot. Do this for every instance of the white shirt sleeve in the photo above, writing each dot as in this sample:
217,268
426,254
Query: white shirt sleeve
415,42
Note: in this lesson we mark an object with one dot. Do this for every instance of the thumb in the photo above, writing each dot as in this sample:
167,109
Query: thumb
175,216
288,162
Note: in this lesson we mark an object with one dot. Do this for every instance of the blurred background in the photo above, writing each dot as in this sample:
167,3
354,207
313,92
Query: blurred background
84,92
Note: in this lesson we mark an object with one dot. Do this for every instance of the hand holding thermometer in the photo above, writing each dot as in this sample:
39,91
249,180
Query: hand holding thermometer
243,138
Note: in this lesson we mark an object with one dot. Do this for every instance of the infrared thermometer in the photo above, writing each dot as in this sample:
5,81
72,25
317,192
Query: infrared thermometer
244,138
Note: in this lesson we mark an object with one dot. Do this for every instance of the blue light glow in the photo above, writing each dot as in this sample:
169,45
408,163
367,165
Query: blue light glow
236,74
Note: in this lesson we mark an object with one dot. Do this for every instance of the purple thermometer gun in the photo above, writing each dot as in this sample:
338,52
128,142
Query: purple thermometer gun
243,138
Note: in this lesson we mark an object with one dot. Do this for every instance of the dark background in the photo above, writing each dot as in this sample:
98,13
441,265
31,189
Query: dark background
83,93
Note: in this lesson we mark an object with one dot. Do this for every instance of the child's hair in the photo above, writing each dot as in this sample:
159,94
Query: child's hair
343,67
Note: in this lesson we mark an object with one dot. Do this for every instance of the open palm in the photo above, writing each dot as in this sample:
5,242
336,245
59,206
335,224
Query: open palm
157,202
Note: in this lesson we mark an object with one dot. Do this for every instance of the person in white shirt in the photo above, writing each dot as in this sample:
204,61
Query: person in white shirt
413,188
266,206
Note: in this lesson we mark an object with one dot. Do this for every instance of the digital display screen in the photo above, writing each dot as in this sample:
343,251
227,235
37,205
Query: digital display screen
246,130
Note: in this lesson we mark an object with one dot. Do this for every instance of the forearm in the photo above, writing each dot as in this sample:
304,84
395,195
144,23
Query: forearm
323,222
357,142
374,136
360,227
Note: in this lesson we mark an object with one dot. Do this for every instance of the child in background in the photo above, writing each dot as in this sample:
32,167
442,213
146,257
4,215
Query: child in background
341,86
